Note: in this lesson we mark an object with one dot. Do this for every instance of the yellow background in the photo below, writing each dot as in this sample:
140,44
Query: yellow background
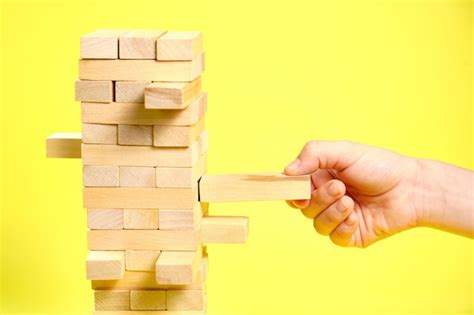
395,74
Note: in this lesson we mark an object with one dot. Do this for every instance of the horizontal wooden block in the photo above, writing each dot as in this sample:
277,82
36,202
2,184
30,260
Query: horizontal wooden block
101,44
247,187
137,176
184,300
173,267
112,300
139,44
147,300
177,136
99,133
64,145
203,312
141,70
136,114
141,260
140,198
105,219
140,219
94,91
171,95
100,176
179,46
105,265
181,177
181,219
224,229
130,91
142,240
135,135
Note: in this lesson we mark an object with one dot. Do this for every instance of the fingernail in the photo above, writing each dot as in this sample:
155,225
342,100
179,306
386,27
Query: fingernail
293,165
344,205
333,190
351,219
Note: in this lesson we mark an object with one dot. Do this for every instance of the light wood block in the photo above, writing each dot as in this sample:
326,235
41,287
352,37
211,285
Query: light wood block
130,91
179,46
141,70
100,176
247,187
105,265
203,312
173,267
140,198
181,177
184,300
135,135
99,134
140,219
147,300
101,44
171,95
142,240
181,219
136,114
141,260
224,229
177,136
112,300
94,91
139,44
105,219
137,176
64,145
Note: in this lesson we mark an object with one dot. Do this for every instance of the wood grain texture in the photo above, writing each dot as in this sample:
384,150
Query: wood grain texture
257,186
203,312
224,229
112,300
181,177
141,260
64,145
140,219
179,46
105,265
99,134
171,95
105,219
174,267
177,136
147,300
94,91
130,91
135,135
139,44
100,176
137,176
101,44
184,300
170,219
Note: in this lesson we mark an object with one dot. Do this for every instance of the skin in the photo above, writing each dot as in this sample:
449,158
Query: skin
362,194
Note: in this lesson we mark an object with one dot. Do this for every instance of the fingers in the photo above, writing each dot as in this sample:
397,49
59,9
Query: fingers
298,204
334,215
344,234
323,197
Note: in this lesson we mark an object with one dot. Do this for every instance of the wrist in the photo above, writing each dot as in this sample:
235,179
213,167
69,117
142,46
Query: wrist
426,199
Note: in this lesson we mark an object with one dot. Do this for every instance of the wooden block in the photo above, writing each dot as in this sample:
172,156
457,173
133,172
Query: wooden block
179,46
142,240
130,91
181,177
224,229
99,134
141,260
100,176
203,312
137,176
112,300
143,155
140,198
105,265
105,219
101,44
246,187
136,114
141,70
139,44
64,145
184,300
181,219
147,300
177,136
173,267
94,91
171,95
140,219
135,135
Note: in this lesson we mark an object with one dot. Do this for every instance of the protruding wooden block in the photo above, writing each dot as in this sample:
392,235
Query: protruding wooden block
139,44
181,219
224,229
202,312
140,219
130,91
101,44
184,300
141,260
105,219
94,91
147,300
181,177
100,176
179,46
135,135
105,265
112,300
64,145
99,134
137,176
171,95
177,136
174,267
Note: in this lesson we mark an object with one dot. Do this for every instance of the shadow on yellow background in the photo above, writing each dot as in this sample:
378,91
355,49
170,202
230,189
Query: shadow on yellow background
395,74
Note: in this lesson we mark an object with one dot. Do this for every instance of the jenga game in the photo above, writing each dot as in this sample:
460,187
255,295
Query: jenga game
146,188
